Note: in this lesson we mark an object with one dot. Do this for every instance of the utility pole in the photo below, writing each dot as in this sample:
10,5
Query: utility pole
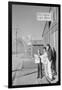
16,41
17,30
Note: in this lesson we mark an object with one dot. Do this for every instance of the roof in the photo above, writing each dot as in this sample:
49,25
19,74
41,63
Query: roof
37,42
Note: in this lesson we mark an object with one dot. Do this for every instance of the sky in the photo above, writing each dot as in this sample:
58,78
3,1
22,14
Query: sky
24,20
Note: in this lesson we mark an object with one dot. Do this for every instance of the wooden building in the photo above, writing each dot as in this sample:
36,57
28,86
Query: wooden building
50,33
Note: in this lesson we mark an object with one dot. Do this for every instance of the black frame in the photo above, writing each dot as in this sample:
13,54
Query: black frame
10,43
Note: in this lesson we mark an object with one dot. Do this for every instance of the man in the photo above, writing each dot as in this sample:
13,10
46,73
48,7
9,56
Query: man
46,63
49,52
38,62
44,60
54,62
50,58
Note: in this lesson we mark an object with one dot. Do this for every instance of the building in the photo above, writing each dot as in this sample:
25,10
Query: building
50,32
37,45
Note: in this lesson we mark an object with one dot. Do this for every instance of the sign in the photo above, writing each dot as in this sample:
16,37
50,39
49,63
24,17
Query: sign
45,16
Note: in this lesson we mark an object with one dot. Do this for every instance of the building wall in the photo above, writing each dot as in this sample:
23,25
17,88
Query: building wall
51,34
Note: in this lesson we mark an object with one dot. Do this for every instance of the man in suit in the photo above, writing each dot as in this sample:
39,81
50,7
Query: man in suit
54,62
50,57
49,52
39,66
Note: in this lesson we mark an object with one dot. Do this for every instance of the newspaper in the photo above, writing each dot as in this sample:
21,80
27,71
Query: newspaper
37,60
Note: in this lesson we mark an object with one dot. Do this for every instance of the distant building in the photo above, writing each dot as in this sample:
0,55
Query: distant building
19,46
37,45
34,47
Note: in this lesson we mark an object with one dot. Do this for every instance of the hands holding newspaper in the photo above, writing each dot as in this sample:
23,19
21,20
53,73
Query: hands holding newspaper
42,57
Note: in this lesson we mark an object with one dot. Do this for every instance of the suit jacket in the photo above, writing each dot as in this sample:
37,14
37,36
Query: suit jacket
50,54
